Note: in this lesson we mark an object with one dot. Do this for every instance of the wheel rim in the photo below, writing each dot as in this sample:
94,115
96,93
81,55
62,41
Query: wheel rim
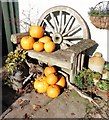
64,25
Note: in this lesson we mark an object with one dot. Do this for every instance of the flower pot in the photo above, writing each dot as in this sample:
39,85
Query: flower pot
96,63
101,22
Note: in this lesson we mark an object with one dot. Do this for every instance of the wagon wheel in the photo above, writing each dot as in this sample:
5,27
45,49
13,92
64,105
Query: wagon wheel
64,25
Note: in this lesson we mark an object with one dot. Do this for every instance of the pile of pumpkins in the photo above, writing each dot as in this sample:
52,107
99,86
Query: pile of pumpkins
42,42
51,82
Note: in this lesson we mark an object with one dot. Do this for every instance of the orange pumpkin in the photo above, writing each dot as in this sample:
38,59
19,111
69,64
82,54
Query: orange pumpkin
27,42
52,79
36,31
61,81
48,70
40,84
45,39
53,91
49,46
38,46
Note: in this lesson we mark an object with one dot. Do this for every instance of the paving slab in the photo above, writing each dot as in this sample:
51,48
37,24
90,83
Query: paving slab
27,104
69,104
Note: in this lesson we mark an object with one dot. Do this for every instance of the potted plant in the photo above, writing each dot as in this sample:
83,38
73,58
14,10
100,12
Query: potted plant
93,83
103,84
99,15
86,79
89,81
16,68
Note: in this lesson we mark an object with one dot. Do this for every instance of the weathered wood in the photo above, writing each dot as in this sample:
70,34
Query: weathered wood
66,17
81,46
60,58
82,61
70,58
15,38
72,69
78,62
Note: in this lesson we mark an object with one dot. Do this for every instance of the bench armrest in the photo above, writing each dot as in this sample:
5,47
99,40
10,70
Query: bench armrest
81,46
15,38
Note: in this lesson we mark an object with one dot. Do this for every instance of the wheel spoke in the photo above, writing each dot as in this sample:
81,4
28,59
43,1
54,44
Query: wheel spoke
55,22
60,22
67,42
65,26
63,46
71,24
73,37
49,25
69,31
75,31
64,23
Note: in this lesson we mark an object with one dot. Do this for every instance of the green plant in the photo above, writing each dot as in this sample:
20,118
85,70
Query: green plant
84,79
101,9
15,60
103,85
106,66
98,12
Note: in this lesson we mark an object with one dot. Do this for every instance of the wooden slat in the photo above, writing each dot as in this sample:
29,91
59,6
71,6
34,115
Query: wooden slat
15,38
81,46
59,58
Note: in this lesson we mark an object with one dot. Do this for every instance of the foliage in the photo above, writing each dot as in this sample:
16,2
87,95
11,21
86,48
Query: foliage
84,80
15,60
98,12
106,67
103,84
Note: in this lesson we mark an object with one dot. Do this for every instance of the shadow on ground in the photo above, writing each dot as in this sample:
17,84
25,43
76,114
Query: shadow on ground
8,97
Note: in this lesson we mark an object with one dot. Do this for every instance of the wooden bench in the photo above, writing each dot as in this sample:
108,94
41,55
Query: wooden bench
69,27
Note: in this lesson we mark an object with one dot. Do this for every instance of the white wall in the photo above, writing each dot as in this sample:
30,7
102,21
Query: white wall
81,6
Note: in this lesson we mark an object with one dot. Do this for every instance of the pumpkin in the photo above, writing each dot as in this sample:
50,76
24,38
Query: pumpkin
38,46
48,70
27,42
36,31
61,81
45,39
40,84
53,91
49,46
51,79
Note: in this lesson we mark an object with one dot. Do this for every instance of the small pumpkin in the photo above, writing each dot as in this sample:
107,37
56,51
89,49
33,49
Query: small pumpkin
40,84
53,91
49,46
27,42
45,39
51,79
36,31
49,69
61,81
38,46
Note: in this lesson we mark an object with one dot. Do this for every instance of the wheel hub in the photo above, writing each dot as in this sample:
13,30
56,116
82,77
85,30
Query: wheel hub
57,38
